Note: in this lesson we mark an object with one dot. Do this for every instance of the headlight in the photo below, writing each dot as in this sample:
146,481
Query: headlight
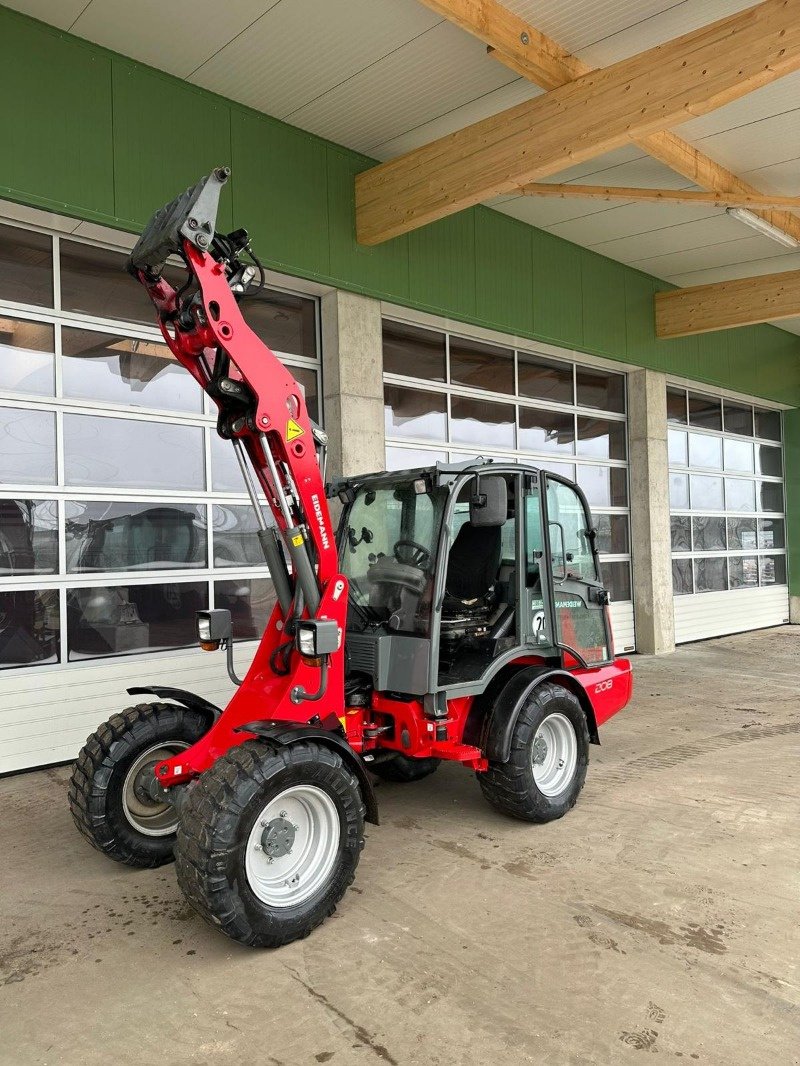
212,628
306,642
203,626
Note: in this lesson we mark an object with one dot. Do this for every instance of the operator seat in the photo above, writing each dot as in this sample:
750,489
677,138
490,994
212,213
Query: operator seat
474,558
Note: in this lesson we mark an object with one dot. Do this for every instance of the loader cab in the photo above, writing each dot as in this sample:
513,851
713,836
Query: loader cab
457,571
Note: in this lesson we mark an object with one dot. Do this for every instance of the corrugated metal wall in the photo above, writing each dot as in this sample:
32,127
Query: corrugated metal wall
106,139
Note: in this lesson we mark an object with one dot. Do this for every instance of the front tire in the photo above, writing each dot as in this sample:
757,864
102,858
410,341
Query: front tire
269,841
549,758
107,796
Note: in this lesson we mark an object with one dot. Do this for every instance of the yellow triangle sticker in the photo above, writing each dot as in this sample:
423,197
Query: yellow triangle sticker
293,430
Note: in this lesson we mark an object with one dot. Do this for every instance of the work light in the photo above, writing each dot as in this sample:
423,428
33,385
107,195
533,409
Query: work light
213,627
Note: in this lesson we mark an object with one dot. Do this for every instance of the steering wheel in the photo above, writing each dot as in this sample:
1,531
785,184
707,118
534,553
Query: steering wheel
412,554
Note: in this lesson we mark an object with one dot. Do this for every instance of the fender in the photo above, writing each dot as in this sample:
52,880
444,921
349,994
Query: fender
508,703
186,699
285,733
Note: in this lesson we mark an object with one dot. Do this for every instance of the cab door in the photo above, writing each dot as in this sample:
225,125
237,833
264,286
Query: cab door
579,598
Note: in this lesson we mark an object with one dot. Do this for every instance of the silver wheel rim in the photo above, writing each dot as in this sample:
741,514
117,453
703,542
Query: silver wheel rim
153,818
554,754
292,847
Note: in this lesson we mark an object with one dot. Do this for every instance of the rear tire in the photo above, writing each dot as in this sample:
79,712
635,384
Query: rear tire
549,758
105,791
299,806
404,769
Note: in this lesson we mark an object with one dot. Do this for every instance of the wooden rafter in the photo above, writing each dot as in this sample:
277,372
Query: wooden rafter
671,196
540,59
741,302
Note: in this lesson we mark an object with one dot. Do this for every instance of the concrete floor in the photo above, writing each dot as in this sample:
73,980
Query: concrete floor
661,915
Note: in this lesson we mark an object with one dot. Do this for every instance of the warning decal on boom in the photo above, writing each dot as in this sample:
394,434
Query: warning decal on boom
293,430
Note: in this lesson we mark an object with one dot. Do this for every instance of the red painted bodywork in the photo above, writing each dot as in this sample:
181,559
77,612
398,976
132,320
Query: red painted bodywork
263,694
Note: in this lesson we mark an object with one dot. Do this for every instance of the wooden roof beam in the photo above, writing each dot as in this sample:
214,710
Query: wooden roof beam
568,191
725,304
540,59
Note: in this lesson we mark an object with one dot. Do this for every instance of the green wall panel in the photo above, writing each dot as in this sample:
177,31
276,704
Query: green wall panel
55,120
380,269
604,311
140,118
280,192
442,266
89,133
557,290
503,297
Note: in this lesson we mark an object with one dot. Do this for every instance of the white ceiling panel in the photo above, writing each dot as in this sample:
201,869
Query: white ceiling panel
782,178
61,13
712,255
177,36
380,102
790,324
622,220
546,212
761,144
303,49
787,260
718,229
775,99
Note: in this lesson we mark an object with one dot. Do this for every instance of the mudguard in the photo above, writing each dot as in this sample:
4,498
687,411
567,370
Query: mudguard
284,733
180,695
510,700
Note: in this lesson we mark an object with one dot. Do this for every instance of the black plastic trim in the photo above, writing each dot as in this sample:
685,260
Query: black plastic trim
180,695
284,733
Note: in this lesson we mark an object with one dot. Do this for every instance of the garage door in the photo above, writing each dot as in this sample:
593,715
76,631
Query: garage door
727,515
450,397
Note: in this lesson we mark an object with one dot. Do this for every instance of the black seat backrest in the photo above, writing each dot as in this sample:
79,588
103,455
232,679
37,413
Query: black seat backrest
475,555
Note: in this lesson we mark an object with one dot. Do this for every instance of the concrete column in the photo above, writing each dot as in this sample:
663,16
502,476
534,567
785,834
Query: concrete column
650,533
352,373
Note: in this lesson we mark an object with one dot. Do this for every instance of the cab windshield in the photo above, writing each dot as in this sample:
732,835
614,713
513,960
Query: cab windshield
388,553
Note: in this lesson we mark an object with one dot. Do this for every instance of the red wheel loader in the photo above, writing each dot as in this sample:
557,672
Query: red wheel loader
458,613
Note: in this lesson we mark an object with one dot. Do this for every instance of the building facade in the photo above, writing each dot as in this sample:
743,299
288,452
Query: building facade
122,512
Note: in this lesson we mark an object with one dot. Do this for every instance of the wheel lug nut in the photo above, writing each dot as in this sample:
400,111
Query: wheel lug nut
282,814
258,847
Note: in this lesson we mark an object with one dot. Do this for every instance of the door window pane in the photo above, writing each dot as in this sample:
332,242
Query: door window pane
26,356
604,486
94,281
711,575
771,496
566,470
596,388
682,577
679,492
676,406
478,422
738,419
102,366
546,431
708,534
681,533
26,266
769,461
612,534
125,619
544,379
121,453
705,451
617,580
417,353
235,532
250,601
740,495
768,424
677,447
481,366
601,438
771,533
412,413
29,628
739,455
707,493
285,323
28,537
705,412
743,571
134,536
742,534
772,569
27,447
